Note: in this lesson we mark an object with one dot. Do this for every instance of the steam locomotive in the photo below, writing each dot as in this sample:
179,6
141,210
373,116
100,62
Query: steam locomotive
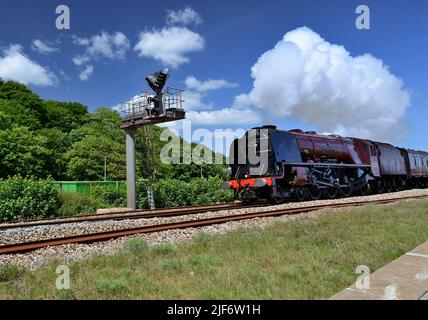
272,164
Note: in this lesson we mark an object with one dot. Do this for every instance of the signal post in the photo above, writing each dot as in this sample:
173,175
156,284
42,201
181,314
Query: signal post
147,109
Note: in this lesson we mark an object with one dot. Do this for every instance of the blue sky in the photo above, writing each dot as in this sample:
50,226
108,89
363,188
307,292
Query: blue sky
223,43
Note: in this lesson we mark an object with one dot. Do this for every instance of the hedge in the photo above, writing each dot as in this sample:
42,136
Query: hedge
168,193
28,198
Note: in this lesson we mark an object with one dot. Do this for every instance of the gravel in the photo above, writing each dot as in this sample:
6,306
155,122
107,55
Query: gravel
73,252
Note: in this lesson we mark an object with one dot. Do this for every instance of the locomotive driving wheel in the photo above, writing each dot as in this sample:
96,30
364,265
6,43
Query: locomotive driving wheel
346,191
365,190
300,194
330,193
314,192
278,200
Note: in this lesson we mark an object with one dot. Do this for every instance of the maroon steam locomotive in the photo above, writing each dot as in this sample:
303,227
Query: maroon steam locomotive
267,163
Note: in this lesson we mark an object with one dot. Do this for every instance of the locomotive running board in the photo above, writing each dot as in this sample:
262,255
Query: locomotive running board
328,165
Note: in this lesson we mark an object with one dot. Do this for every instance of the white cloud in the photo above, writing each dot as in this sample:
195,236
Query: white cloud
80,60
321,84
42,47
16,66
169,45
197,90
194,101
184,16
111,46
86,73
318,83
64,75
108,46
226,116
208,85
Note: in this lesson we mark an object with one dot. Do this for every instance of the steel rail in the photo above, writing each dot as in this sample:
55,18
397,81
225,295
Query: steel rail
107,235
116,213
125,216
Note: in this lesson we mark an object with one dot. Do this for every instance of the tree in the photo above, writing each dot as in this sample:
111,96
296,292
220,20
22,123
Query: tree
86,159
58,143
22,152
29,103
99,139
19,115
65,116
63,140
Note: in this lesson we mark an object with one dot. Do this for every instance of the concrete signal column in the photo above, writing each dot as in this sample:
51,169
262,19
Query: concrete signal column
130,169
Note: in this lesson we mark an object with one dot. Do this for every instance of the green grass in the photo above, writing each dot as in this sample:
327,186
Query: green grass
310,258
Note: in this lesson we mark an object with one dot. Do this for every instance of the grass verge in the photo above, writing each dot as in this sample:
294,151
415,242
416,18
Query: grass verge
309,258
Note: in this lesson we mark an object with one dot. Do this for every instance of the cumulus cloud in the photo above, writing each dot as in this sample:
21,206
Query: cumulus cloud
80,60
208,85
42,47
16,66
86,73
225,116
194,101
104,45
184,16
197,91
321,84
100,46
170,45
318,83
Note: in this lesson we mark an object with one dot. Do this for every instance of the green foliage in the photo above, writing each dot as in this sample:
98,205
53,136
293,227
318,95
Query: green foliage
100,139
137,246
172,193
8,273
167,193
112,287
75,204
58,143
23,152
18,115
65,116
176,193
87,157
28,198
171,264
164,250
110,197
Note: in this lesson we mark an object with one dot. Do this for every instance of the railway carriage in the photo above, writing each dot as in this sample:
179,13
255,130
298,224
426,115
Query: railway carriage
416,167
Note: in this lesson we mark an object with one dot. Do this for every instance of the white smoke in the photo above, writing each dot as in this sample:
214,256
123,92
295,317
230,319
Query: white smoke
321,84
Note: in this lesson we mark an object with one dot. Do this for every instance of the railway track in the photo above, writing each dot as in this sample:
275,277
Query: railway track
107,235
124,215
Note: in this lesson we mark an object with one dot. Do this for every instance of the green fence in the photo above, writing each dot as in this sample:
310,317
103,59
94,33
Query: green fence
86,187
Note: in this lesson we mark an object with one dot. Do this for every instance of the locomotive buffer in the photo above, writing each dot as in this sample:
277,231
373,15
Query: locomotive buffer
147,109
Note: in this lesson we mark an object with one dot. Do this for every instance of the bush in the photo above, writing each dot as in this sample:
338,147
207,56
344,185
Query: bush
137,246
177,193
109,196
8,273
74,204
164,250
112,287
28,198
31,198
